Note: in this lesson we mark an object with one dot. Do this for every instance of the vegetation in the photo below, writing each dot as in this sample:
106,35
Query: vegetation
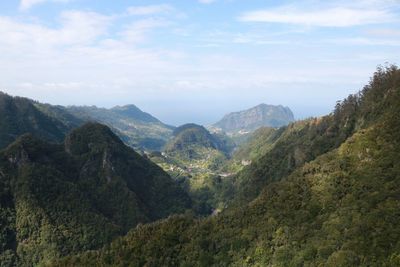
189,136
257,144
319,192
136,128
194,158
330,199
59,113
296,144
57,200
19,115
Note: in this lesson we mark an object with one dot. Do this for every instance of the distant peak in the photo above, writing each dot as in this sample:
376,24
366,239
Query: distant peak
256,117
263,105
134,112
126,107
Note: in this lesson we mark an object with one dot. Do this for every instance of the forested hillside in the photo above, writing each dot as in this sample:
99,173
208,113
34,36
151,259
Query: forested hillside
61,199
328,197
303,141
20,115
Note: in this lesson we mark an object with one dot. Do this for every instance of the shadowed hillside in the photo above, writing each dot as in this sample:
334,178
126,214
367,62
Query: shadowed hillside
58,200
20,115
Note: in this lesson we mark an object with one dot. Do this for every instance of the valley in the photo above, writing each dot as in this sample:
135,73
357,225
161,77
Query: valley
75,192
323,194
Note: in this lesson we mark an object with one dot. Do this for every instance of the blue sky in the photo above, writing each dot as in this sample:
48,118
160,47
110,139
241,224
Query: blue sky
195,60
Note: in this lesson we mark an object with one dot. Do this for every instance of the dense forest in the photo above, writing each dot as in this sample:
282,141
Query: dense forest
21,115
61,199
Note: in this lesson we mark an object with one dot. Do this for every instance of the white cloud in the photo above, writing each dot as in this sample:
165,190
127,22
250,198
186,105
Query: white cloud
327,17
137,31
92,58
384,32
77,27
27,4
149,10
83,27
86,50
362,41
207,1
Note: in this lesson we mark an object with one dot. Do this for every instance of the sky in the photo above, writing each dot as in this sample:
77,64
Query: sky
195,60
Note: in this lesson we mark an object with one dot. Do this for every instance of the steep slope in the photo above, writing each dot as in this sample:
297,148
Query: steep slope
340,209
303,141
135,127
254,118
258,144
61,199
296,144
20,115
59,113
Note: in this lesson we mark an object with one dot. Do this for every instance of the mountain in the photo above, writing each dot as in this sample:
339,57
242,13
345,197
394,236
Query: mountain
193,157
254,118
61,199
135,127
330,198
135,113
192,145
189,136
20,115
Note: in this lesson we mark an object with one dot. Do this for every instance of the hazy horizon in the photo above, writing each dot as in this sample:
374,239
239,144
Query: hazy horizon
211,113
198,60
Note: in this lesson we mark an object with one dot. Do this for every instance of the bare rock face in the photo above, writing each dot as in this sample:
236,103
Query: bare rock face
254,118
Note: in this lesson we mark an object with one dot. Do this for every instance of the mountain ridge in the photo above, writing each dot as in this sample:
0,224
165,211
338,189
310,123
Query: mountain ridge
137,128
20,115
